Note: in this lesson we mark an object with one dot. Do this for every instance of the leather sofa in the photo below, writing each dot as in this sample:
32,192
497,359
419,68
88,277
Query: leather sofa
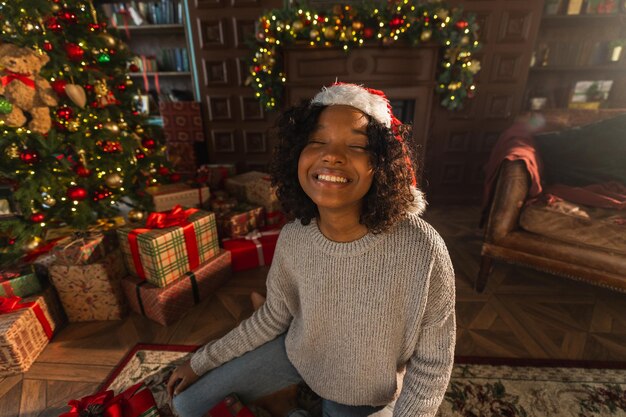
506,239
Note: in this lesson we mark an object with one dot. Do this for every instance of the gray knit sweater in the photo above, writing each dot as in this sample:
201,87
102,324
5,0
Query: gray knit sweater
359,316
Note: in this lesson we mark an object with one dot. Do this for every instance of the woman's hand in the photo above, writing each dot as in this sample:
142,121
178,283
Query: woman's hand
181,378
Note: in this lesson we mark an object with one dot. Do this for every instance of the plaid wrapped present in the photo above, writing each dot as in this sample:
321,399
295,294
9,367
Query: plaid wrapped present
136,401
230,406
93,291
167,304
254,250
165,197
236,186
169,245
259,191
241,220
26,326
20,281
216,174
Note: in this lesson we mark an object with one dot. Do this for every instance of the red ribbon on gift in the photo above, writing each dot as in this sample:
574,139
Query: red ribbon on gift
24,78
176,217
14,303
254,250
133,402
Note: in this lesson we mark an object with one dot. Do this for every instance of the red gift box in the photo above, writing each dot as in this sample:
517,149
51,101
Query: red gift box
230,406
136,401
254,250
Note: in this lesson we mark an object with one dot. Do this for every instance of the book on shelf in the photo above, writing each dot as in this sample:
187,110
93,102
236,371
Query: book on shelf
139,13
590,94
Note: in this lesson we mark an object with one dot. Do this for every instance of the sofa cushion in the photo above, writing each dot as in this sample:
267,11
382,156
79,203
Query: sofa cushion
577,224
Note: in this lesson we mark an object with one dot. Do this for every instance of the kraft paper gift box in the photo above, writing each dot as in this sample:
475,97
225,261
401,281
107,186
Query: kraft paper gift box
26,327
216,174
169,244
254,250
223,204
241,220
165,305
236,186
93,291
165,197
84,248
259,191
20,280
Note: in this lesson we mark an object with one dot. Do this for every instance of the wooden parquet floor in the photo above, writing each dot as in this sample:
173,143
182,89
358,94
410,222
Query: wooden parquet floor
522,314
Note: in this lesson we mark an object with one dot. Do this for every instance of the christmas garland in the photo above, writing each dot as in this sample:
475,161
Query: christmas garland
350,26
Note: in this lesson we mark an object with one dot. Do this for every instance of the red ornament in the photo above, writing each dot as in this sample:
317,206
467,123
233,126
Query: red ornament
76,193
29,156
59,87
65,113
47,46
368,33
37,217
93,27
88,87
396,22
175,177
148,143
94,104
139,154
68,16
461,24
133,68
111,147
121,87
101,194
74,51
53,24
163,171
82,171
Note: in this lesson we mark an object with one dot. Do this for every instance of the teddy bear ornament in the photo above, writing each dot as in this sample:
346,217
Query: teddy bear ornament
23,87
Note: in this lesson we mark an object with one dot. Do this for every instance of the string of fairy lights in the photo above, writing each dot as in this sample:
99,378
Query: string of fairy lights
352,26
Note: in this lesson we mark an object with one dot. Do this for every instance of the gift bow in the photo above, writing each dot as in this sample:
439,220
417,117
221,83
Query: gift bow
24,78
104,404
14,303
174,217
254,237
9,304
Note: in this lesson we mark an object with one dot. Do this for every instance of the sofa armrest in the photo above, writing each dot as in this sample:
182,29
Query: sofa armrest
509,197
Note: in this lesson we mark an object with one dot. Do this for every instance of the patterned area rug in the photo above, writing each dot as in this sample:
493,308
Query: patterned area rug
476,390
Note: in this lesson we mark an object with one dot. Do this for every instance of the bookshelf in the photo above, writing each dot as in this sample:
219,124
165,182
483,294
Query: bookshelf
579,44
156,31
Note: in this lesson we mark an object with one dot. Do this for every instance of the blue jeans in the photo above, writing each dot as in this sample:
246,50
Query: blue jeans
254,375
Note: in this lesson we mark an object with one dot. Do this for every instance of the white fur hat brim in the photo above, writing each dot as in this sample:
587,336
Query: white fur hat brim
375,106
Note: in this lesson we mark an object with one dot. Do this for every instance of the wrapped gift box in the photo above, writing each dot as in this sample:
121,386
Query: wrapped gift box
230,406
20,281
241,220
223,204
26,326
84,248
93,291
256,249
216,174
236,186
259,191
167,304
165,197
162,255
136,401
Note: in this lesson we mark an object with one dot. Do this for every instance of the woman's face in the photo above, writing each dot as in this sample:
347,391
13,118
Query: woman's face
335,168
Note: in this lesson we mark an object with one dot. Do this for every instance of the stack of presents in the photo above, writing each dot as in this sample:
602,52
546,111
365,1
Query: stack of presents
193,241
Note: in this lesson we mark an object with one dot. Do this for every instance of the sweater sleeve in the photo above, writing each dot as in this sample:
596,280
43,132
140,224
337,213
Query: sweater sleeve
429,368
265,324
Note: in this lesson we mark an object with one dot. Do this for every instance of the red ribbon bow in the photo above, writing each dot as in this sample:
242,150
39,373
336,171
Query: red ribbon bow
9,304
24,78
174,217
14,303
132,402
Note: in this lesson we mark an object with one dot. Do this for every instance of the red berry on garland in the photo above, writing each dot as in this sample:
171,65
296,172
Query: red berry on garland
82,171
175,177
368,33
163,171
47,46
65,113
148,143
37,217
74,51
29,156
76,193
88,87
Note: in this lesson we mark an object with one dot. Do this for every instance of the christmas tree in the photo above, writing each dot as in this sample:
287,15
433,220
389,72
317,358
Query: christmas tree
72,143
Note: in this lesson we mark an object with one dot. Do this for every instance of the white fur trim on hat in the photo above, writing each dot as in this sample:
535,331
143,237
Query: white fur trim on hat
373,105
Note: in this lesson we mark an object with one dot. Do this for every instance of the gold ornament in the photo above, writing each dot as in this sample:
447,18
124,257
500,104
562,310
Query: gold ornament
49,201
314,34
297,26
123,124
465,40
55,8
128,82
139,129
73,126
32,244
113,127
109,40
113,180
7,28
135,215
426,35
357,25
12,151
330,33
28,26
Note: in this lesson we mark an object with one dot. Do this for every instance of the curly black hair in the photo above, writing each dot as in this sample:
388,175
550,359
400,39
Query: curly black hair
388,200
